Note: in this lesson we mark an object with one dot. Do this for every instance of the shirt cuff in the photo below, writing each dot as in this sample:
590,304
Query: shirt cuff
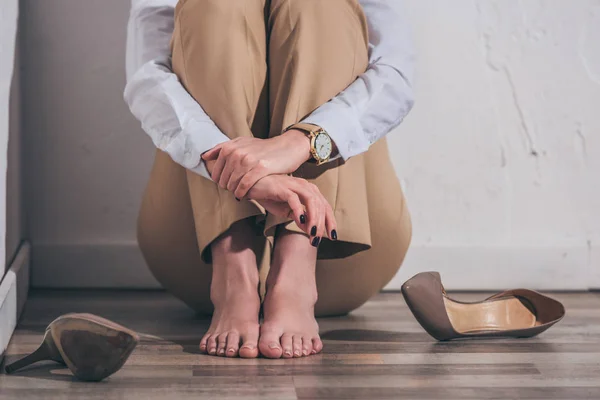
203,145
343,127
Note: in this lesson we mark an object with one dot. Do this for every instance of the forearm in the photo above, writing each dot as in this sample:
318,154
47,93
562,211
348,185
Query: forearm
379,99
175,122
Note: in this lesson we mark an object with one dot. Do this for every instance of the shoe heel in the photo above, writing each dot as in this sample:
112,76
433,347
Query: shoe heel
41,354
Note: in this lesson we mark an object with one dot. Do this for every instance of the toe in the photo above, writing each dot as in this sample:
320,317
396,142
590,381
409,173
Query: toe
212,345
221,344
249,347
297,345
286,344
233,344
317,345
269,345
307,346
203,342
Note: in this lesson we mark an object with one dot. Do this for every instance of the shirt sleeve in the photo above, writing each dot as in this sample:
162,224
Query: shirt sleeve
175,122
380,98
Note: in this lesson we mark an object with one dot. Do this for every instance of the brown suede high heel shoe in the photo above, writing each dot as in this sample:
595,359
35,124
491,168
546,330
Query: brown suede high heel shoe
513,313
92,347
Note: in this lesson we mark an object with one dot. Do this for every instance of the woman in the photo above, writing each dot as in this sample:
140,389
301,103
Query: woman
312,215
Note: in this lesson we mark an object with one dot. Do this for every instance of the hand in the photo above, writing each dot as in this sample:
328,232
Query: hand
242,162
285,196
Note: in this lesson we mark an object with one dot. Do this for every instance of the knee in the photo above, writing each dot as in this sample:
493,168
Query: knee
311,11
212,10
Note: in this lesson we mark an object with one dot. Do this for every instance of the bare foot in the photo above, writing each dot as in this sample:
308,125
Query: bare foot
234,293
289,328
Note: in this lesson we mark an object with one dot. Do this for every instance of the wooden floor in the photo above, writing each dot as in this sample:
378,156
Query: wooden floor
378,352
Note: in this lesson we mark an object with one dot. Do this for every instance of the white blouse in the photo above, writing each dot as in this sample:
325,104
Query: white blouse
356,118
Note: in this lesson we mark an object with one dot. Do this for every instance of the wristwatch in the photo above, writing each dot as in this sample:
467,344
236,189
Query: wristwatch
321,145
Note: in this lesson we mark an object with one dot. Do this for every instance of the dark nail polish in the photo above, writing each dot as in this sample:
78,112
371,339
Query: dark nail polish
334,234
313,231
237,199
316,242
302,219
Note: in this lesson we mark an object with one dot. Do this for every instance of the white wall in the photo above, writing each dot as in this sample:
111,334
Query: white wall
499,159
15,232
8,29
13,285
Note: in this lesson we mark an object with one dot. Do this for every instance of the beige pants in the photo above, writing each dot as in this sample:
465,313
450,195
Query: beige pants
256,67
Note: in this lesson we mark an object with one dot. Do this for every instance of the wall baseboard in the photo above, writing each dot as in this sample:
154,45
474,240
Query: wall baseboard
504,267
13,294
462,267
90,266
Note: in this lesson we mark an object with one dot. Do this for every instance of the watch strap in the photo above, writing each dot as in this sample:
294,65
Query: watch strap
308,128
311,131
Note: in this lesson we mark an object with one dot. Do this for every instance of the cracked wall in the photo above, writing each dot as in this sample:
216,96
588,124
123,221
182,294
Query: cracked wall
503,144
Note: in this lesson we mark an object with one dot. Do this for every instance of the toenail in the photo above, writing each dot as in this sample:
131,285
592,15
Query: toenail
222,351
249,347
297,353
273,346
231,351
288,353
305,352
213,350
314,352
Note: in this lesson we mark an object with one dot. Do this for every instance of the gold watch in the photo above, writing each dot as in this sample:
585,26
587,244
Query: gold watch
321,145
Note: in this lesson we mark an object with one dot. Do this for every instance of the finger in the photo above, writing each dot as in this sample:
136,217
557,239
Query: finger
213,153
310,200
234,179
330,223
322,204
248,181
313,211
218,167
297,208
230,165
321,225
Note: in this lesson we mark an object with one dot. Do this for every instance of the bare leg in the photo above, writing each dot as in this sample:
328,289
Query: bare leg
316,49
234,294
289,328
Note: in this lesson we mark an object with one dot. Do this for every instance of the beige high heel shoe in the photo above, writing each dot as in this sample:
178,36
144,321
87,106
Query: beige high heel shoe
92,347
515,313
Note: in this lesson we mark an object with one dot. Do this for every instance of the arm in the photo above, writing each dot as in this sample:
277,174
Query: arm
179,126
356,118
175,122
380,98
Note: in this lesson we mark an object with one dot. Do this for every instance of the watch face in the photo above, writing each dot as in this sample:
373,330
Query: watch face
323,146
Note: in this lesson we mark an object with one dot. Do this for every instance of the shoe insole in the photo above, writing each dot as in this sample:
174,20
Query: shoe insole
495,315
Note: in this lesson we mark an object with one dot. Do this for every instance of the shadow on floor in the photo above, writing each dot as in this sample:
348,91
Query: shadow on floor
365,335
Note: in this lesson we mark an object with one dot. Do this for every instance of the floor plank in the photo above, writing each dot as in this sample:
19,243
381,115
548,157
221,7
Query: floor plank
377,352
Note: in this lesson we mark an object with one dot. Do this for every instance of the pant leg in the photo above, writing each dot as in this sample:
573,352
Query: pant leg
346,284
219,54
316,49
167,235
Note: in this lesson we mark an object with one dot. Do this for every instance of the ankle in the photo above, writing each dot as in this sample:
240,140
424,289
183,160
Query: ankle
304,290
234,280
